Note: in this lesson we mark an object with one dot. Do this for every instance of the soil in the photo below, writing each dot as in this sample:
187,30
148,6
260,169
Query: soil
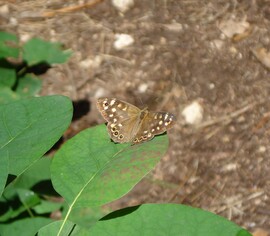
181,54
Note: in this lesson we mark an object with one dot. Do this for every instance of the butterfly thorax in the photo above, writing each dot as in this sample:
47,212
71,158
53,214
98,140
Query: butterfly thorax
139,117
144,113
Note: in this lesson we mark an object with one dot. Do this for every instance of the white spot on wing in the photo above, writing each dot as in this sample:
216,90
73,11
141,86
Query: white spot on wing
112,102
113,110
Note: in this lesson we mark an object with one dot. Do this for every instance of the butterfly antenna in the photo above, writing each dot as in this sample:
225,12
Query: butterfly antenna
142,104
141,101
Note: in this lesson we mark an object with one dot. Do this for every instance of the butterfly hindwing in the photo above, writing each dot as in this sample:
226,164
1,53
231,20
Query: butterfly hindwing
154,123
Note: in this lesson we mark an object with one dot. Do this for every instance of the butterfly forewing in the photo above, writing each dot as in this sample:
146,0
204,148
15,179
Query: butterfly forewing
122,118
154,123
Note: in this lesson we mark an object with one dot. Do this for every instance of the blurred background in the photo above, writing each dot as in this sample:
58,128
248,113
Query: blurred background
207,62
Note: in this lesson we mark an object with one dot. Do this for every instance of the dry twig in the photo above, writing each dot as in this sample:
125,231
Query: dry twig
71,8
228,117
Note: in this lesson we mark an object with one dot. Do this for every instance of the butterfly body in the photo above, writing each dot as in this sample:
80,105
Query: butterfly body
128,123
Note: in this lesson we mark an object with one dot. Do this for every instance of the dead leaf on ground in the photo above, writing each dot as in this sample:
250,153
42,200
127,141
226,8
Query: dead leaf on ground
235,29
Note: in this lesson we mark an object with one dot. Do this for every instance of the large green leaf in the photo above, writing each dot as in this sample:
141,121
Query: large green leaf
8,45
90,170
30,127
165,219
37,51
24,227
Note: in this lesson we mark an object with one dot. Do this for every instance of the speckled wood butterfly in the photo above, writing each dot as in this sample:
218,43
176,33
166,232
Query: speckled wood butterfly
128,123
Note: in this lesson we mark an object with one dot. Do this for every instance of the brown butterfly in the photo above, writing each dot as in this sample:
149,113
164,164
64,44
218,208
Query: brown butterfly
128,123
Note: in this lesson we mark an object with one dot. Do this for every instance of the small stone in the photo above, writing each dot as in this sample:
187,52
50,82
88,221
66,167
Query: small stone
217,44
4,10
142,88
193,113
262,149
25,37
122,41
122,5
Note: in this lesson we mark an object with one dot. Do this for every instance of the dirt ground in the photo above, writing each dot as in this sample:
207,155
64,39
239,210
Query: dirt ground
183,51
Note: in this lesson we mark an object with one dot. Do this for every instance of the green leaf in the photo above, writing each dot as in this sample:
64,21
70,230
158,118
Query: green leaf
7,76
47,207
86,216
30,127
8,45
90,170
28,86
36,173
53,228
7,95
6,215
3,170
13,212
25,227
28,198
165,219
37,51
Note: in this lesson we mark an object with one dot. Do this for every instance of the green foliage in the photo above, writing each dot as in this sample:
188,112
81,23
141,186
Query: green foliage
104,171
37,50
24,227
87,172
53,229
165,219
8,45
30,127
19,65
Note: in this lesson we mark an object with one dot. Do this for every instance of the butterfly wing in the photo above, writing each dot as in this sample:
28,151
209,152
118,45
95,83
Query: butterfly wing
152,124
123,118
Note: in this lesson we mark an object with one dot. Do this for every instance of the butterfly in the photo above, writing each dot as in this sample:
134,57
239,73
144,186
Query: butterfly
128,123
